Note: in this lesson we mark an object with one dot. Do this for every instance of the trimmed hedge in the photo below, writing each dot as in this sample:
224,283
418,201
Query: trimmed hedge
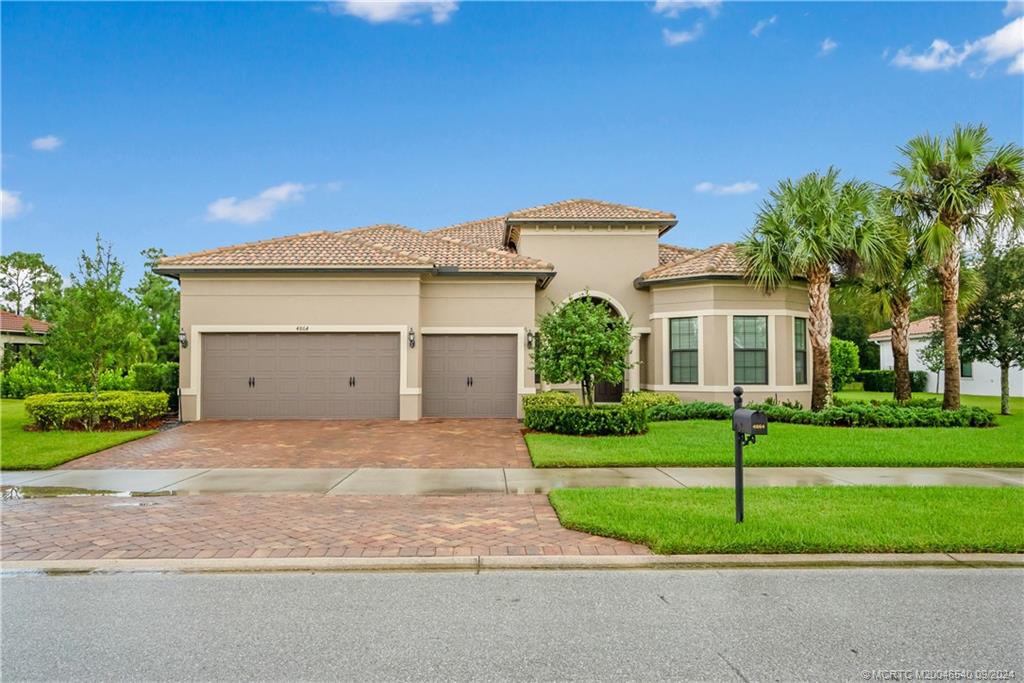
649,399
584,421
885,380
892,414
25,379
81,410
695,410
920,412
549,399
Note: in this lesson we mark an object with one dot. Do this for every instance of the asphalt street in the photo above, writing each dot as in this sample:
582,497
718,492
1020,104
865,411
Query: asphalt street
801,624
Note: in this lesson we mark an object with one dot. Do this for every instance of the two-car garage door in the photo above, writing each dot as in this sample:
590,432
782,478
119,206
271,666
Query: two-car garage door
353,375
300,375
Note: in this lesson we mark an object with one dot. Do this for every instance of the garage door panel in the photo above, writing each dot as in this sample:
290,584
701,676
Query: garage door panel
300,375
448,360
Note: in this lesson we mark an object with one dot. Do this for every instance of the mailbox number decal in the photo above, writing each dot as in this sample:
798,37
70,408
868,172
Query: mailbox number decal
302,328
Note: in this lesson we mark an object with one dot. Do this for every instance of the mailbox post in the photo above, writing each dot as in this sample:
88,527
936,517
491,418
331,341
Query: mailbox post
746,425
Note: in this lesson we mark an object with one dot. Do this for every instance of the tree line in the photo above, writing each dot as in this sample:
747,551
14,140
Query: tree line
951,222
98,329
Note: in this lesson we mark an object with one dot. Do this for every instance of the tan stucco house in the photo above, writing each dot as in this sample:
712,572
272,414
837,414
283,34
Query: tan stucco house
19,331
390,322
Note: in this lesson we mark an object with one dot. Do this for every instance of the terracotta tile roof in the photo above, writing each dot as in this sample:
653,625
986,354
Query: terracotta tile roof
488,233
720,259
918,328
670,253
376,246
448,252
309,249
584,209
10,322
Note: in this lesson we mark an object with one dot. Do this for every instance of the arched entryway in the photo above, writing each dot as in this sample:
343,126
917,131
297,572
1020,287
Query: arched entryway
605,392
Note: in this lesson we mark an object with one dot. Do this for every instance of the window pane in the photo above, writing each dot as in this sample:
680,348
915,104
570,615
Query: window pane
966,368
800,349
683,334
750,349
800,334
684,367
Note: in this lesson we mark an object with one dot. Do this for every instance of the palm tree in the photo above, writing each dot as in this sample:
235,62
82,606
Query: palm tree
959,186
807,229
885,291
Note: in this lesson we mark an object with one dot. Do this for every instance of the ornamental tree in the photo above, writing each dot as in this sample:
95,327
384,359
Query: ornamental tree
582,341
993,329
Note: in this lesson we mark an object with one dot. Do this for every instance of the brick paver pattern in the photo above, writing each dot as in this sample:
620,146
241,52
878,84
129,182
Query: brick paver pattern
292,525
429,443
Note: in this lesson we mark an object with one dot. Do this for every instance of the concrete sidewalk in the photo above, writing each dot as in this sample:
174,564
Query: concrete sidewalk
512,481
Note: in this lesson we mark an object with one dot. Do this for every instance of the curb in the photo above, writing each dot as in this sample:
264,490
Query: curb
530,562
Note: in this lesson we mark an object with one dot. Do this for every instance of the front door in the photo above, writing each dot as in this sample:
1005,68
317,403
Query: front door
606,392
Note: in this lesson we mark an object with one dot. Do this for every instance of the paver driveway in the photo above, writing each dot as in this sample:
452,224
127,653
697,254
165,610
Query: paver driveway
321,444
290,525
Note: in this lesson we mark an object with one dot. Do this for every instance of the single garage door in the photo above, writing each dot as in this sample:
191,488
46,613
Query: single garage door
469,375
300,376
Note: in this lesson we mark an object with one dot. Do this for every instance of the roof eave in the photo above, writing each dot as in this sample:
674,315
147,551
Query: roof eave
173,271
641,283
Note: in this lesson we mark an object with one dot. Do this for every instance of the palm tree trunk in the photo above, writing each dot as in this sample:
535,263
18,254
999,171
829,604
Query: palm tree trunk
949,279
901,345
1004,388
819,324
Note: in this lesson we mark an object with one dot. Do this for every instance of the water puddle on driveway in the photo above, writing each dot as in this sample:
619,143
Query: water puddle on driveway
11,493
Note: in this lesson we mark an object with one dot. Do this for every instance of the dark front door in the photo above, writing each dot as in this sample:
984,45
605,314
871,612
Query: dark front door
606,392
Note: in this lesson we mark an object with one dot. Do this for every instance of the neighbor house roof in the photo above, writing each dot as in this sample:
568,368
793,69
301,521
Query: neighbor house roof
11,322
588,209
719,260
917,328
372,247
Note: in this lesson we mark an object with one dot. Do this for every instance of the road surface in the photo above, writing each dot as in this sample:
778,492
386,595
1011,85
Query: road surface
606,625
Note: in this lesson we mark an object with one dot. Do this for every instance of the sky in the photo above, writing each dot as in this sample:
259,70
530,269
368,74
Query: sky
187,126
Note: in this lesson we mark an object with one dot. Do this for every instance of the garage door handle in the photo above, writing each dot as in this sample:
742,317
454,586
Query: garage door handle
470,381
252,381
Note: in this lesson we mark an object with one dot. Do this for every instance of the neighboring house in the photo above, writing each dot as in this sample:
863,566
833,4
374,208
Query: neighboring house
14,331
976,378
390,322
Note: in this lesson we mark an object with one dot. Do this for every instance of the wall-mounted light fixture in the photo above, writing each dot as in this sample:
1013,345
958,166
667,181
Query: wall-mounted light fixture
183,339
412,338
530,338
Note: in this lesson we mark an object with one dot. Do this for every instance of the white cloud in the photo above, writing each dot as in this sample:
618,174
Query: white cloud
940,55
673,38
255,209
742,187
11,205
762,25
47,143
1013,7
382,11
827,46
1006,43
673,8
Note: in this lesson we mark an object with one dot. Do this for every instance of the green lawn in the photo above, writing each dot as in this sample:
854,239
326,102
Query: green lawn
708,443
21,450
821,519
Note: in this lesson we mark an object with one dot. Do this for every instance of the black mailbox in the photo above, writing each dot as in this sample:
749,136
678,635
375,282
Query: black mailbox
752,422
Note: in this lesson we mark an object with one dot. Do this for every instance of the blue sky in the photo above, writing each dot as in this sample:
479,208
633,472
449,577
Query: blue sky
187,126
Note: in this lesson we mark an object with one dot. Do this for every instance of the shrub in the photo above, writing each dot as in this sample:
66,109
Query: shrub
157,377
845,362
115,380
25,379
878,380
649,399
82,410
584,421
918,380
695,410
881,414
550,399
